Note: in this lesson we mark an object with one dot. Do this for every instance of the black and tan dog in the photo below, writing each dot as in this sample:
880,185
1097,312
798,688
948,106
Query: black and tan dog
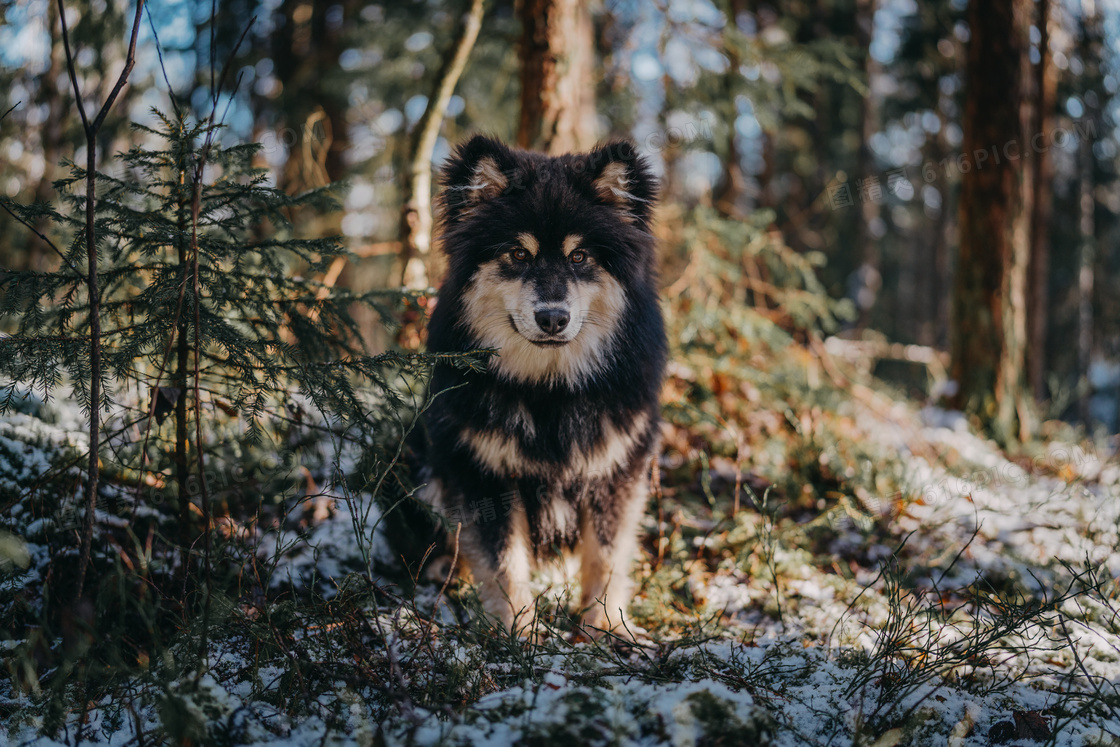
551,263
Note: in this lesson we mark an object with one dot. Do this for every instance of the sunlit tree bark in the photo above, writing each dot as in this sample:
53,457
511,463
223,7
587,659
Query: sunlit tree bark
1038,312
557,54
997,194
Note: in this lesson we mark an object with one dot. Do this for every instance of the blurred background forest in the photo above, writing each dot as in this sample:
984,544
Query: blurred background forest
844,122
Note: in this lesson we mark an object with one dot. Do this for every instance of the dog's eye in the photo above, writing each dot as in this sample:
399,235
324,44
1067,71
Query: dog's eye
577,257
521,255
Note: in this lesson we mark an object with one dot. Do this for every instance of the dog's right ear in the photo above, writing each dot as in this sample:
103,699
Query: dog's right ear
477,172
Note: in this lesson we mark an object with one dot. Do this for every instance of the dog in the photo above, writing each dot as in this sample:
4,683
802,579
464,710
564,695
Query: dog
551,263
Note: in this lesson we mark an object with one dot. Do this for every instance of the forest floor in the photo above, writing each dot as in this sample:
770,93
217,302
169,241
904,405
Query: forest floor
889,578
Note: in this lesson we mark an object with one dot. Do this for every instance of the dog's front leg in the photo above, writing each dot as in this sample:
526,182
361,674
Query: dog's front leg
608,541
500,558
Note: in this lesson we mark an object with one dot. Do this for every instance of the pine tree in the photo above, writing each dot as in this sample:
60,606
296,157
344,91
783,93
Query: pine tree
208,313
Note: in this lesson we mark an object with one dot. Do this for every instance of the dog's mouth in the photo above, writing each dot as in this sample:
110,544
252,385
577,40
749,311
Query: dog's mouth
547,342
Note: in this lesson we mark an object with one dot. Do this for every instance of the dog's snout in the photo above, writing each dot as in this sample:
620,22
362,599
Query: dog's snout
552,320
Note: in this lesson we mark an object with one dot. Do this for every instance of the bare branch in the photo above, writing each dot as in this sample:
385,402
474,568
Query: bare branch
216,92
213,18
70,68
416,215
130,61
162,67
92,129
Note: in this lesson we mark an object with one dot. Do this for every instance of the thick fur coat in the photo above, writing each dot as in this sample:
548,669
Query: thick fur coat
551,264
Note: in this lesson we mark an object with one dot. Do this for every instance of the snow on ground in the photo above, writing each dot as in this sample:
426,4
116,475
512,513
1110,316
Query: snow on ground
799,653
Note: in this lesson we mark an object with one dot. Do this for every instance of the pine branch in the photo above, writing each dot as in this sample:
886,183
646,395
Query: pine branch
48,242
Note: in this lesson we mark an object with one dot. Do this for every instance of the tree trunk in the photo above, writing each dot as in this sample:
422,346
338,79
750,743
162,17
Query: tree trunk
1086,255
179,381
989,294
941,267
870,271
557,55
313,119
1038,312
1085,261
728,195
416,213
91,130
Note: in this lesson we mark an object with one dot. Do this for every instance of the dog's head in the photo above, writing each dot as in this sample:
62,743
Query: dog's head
547,253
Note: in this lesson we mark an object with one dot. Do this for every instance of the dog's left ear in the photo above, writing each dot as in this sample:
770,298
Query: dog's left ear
622,178
476,173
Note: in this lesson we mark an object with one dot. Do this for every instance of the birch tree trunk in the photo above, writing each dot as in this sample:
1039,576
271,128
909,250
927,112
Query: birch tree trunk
416,214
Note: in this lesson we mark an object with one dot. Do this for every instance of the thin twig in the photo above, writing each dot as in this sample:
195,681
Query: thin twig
196,205
92,129
213,27
446,581
154,389
70,68
38,233
196,210
163,68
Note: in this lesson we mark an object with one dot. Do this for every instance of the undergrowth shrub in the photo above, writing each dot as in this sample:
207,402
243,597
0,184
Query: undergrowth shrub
241,410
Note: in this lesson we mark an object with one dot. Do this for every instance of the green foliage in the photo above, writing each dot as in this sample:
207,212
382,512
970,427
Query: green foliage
209,307
265,327
260,324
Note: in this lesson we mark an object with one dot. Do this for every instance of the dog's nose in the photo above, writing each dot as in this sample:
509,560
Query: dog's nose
552,320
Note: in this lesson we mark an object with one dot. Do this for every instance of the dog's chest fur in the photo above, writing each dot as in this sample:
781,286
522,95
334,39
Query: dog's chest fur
558,452
551,436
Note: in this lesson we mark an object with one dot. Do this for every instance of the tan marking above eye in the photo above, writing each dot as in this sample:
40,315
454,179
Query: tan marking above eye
571,243
529,243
